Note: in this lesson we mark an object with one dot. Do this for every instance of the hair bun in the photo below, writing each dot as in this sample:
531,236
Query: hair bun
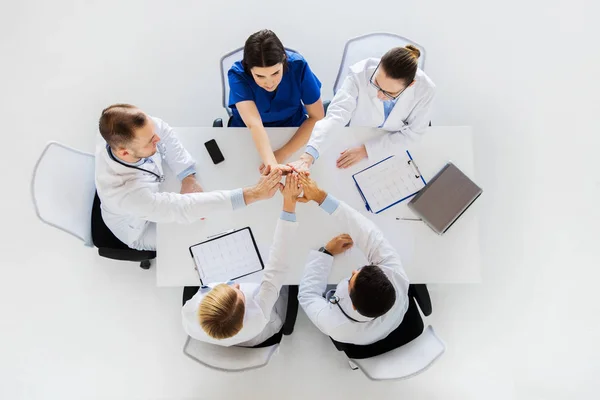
414,51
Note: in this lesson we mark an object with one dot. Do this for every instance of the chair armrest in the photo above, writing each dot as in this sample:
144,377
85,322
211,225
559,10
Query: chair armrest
421,295
126,254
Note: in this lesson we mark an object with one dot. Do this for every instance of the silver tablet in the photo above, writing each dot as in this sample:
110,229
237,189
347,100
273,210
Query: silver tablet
443,200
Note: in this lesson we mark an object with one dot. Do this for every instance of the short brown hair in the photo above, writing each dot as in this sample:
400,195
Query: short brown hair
221,312
401,63
118,122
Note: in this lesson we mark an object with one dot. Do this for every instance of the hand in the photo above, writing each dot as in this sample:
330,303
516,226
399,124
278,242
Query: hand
266,187
290,192
339,244
303,164
285,169
351,156
311,190
189,184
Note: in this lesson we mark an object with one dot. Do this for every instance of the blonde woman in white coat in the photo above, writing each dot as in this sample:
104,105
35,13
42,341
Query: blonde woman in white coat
390,93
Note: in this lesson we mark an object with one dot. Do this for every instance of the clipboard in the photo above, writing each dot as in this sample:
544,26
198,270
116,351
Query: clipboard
226,256
380,190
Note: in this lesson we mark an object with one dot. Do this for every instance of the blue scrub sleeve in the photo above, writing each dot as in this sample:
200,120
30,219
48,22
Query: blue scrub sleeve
239,89
311,86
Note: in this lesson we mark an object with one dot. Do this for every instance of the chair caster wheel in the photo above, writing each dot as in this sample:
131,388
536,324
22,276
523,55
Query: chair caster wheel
145,264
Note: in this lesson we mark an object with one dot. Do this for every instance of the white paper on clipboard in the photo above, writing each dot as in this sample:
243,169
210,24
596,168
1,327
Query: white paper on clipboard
389,182
227,257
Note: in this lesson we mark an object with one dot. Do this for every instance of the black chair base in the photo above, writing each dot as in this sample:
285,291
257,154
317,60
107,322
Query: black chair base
110,247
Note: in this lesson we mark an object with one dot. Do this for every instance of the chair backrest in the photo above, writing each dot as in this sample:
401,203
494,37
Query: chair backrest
371,45
231,359
406,361
227,62
63,188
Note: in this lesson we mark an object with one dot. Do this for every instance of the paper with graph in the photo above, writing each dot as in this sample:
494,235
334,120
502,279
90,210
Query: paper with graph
389,182
227,257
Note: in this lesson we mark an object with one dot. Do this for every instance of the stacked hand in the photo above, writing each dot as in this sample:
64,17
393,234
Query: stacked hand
285,169
290,192
311,190
303,164
266,187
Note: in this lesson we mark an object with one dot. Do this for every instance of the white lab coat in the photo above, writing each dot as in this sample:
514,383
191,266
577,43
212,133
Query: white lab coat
356,103
327,316
261,319
131,201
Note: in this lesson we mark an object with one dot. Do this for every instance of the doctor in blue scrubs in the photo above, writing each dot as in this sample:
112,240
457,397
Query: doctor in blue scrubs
273,87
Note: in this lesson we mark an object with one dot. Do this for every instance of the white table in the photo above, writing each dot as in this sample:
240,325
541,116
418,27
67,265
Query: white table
427,257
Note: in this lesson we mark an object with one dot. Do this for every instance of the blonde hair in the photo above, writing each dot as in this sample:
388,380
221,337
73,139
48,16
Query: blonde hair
414,51
221,312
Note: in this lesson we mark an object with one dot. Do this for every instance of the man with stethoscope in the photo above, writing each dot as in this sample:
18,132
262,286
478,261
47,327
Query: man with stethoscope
370,304
129,172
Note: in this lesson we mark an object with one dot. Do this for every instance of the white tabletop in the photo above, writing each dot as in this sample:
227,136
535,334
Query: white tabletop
427,257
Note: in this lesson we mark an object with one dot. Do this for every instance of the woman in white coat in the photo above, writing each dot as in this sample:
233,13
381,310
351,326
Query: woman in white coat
390,93
248,314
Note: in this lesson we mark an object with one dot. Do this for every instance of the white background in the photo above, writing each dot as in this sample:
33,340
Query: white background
524,74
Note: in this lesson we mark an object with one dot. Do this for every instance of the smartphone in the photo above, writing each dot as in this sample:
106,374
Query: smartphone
214,151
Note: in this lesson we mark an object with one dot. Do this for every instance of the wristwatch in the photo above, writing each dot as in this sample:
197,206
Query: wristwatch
324,250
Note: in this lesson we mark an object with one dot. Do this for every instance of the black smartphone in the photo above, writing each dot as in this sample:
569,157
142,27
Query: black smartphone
214,151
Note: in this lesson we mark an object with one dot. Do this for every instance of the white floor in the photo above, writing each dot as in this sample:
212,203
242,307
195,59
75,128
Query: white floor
523,74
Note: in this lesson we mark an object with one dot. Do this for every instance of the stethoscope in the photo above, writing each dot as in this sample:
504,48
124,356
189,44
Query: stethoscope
333,299
161,178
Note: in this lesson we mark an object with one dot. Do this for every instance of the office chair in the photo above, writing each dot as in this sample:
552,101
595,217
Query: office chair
226,63
405,352
64,196
371,45
238,359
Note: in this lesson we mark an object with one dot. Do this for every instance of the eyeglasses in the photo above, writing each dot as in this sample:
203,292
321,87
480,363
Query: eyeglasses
385,93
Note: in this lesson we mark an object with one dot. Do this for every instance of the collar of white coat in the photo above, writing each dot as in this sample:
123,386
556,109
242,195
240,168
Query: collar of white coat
342,293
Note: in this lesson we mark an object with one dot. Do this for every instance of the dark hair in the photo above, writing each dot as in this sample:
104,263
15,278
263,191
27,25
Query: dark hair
401,63
117,124
263,49
372,294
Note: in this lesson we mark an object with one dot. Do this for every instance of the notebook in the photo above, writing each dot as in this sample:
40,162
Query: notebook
445,198
227,257
389,182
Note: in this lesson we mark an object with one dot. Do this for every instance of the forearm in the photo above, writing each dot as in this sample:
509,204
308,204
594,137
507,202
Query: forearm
299,139
263,145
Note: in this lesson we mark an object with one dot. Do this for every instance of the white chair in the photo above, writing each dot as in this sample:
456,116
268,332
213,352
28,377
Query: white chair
63,190
226,63
404,362
230,359
371,45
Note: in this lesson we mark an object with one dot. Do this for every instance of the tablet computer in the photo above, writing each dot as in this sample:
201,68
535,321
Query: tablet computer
445,198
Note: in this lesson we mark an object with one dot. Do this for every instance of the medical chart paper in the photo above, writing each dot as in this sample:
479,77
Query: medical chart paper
227,257
389,182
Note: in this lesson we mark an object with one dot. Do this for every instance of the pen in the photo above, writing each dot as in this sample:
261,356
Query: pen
220,234
408,219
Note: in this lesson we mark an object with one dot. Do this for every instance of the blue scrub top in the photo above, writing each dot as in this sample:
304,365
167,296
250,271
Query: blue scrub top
285,106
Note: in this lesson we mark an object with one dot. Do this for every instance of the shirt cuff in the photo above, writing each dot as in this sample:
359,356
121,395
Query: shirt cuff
237,199
186,172
286,216
313,152
330,204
